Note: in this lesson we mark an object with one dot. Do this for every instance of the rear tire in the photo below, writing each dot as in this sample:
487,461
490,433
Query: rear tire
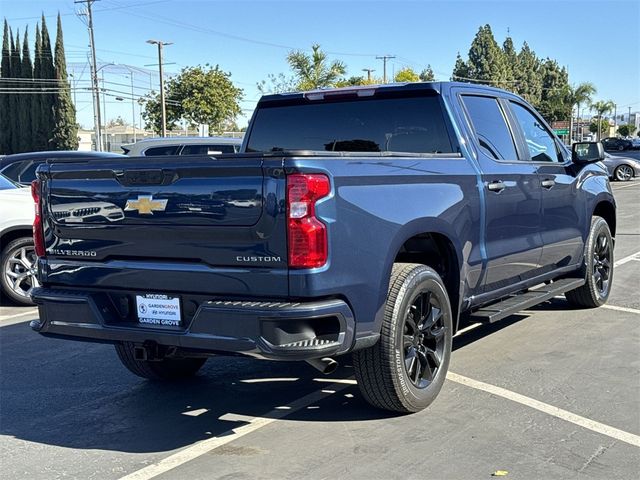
406,369
597,268
623,173
18,270
165,369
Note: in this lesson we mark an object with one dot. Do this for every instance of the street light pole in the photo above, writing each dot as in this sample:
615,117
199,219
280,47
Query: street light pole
368,70
163,110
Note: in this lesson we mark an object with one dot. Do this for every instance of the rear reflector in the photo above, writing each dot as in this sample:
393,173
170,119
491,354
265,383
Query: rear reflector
307,235
38,233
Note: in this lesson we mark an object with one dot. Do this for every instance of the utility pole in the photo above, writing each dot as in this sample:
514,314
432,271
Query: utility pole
615,115
368,70
133,109
97,120
163,110
629,120
384,59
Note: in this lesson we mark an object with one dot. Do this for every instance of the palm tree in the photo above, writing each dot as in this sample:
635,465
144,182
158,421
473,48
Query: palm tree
602,107
314,71
580,94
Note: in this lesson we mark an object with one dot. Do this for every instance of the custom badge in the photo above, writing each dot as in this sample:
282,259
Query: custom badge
146,205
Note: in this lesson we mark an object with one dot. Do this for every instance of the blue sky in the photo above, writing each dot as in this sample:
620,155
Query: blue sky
598,41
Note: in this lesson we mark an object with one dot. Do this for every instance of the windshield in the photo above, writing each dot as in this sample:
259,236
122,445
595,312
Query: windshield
6,184
396,124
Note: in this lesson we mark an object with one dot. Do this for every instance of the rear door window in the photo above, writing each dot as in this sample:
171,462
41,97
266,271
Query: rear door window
29,174
490,127
390,124
158,151
207,149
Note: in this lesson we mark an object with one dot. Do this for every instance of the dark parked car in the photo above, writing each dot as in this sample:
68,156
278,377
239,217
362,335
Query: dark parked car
21,167
613,143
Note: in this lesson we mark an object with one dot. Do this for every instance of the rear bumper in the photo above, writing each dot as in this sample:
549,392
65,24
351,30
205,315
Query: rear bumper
274,330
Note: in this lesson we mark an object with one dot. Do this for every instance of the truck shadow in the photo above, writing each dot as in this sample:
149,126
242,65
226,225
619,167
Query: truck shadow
77,395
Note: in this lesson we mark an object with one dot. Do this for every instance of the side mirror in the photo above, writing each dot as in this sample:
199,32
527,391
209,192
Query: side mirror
587,152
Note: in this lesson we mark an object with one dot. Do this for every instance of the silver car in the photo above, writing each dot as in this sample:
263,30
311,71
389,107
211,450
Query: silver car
182,146
621,168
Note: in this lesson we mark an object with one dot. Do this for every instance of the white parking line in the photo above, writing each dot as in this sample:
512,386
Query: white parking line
621,309
565,415
622,261
205,446
30,311
625,186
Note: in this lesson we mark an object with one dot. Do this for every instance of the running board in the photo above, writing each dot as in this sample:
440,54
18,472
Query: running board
518,302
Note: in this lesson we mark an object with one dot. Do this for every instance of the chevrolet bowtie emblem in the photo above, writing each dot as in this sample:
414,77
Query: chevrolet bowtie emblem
146,205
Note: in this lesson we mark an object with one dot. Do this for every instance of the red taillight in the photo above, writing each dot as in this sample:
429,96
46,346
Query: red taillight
38,233
307,235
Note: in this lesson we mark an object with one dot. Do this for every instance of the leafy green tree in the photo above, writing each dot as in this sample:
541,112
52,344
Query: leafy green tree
406,74
64,135
527,76
626,130
486,62
601,108
315,70
38,127
16,68
24,112
460,70
510,57
47,72
5,99
199,95
554,102
427,75
279,83
599,126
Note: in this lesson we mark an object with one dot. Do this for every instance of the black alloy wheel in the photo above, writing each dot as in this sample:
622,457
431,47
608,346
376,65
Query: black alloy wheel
423,339
602,263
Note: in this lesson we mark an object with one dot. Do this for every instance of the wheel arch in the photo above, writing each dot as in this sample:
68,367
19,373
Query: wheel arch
10,234
606,210
434,246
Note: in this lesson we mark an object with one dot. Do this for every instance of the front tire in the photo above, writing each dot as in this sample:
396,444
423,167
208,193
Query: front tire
406,369
597,268
165,369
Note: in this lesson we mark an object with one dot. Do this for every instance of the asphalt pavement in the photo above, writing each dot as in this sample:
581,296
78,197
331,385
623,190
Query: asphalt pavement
550,393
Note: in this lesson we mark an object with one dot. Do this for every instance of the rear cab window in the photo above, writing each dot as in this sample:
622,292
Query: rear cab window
380,123
490,127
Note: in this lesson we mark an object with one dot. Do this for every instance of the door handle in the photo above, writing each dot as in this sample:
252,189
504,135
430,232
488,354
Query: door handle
548,183
496,186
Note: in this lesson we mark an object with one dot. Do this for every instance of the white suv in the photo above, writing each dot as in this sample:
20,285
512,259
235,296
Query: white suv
183,146
17,255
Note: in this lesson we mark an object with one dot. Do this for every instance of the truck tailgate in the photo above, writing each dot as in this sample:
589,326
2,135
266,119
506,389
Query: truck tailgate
112,223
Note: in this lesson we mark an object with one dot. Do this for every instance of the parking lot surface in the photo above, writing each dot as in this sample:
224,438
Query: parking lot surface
549,393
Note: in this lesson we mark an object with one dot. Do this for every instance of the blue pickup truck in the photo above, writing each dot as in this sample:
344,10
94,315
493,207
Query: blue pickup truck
370,221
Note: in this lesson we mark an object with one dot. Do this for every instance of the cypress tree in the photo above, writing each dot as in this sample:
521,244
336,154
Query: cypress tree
24,114
5,107
486,60
460,70
48,73
65,131
528,76
39,135
14,100
510,57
